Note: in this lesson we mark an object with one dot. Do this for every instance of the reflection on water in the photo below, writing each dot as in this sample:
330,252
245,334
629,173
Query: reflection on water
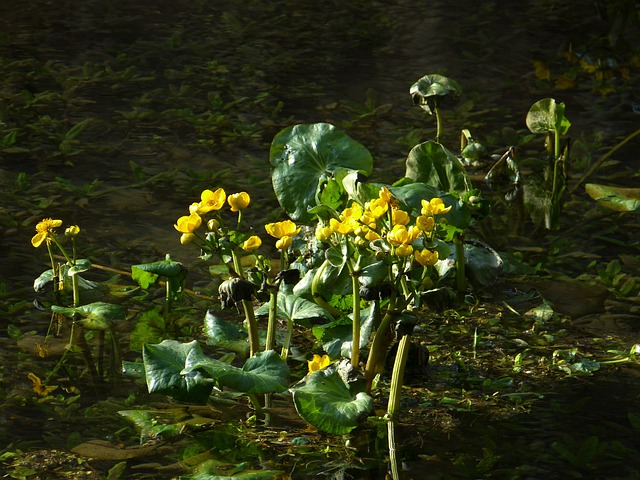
183,95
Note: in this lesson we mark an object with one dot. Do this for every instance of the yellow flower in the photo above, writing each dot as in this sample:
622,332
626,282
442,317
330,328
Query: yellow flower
318,363
72,231
284,243
377,207
353,212
188,223
435,206
213,225
345,227
399,217
252,243
385,195
281,229
372,235
323,233
239,201
210,200
401,235
426,258
187,238
404,250
425,223
44,230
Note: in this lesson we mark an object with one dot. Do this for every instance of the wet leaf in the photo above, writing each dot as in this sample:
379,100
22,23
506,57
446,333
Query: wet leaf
304,156
615,198
325,401
95,316
226,335
431,163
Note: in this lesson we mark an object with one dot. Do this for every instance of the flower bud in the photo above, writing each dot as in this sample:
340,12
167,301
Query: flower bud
213,225
72,231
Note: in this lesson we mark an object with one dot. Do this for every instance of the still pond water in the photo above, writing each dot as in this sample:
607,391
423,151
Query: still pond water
185,95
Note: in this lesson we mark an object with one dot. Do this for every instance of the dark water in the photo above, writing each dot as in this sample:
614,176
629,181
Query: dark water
199,89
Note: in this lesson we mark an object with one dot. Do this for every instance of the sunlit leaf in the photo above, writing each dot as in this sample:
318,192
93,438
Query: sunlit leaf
325,401
431,163
226,335
81,265
304,156
293,307
547,116
430,90
615,198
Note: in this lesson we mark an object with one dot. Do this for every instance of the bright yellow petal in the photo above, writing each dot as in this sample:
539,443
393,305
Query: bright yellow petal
239,201
252,243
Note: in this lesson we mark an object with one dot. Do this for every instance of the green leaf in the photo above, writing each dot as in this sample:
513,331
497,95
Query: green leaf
265,372
95,316
226,335
81,265
149,328
164,364
337,336
430,90
304,156
547,116
45,277
293,307
431,163
325,401
615,198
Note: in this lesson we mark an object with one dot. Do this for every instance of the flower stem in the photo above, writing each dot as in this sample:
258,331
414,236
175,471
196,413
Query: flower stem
355,344
379,344
271,325
254,341
398,375
461,282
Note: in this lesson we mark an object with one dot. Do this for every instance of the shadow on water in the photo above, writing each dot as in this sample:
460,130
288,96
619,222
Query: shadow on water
182,95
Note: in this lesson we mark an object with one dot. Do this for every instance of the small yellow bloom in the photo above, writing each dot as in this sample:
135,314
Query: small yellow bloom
284,243
239,201
401,235
187,238
425,223
44,230
404,250
252,243
213,225
345,227
385,195
281,229
426,258
188,223
377,207
323,233
372,235
399,217
210,200
435,206
318,363
72,231
353,212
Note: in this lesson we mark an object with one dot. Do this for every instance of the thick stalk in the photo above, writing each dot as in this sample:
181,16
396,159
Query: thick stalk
397,376
355,344
252,324
271,325
379,344
287,340
393,457
438,124
461,280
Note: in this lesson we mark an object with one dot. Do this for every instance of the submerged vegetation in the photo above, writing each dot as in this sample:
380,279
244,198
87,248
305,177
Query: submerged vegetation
317,309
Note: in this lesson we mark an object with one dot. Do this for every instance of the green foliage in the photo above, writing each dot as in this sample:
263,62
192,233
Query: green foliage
325,400
95,316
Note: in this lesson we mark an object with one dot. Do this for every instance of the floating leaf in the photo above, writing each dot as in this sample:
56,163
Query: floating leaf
305,156
164,364
615,198
324,400
95,316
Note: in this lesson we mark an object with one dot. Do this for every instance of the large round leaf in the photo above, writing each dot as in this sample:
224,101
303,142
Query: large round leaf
304,156
431,163
429,91
324,400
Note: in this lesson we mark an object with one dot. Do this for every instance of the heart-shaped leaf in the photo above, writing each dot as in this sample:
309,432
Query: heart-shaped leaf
226,335
431,163
164,364
325,401
304,156
95,316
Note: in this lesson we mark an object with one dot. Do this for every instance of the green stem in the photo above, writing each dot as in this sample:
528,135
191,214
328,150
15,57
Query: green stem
393,458
254,340
461,281
255,402
438,124
397,376
237,266
381,341
287,340
355,344
271,325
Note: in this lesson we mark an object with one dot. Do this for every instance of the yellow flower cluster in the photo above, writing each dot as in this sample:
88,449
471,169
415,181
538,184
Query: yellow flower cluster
212,201
284,231
382,218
